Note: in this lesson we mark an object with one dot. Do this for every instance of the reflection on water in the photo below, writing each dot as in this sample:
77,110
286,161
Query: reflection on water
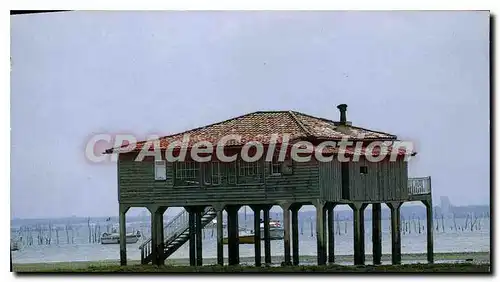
447,241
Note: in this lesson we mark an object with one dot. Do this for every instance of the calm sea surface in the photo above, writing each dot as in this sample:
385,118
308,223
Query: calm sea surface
450,240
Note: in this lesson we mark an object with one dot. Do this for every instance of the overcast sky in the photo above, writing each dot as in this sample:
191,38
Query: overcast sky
423,76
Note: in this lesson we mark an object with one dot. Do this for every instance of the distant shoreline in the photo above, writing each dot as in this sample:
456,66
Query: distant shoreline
414,210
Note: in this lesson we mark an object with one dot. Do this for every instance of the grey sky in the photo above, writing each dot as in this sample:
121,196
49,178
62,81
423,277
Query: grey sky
423,76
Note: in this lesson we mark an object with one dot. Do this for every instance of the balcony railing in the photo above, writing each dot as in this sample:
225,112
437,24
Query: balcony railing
419,185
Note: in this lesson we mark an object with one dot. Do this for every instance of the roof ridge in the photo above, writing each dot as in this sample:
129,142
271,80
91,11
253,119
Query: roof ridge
381,132
301,125
357,127
270,111
321,118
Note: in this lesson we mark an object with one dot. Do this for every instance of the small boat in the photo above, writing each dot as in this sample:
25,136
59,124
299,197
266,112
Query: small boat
14,246
214,223
114,238
276,232
244,237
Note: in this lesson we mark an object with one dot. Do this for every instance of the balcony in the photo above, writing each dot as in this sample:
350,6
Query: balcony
419,187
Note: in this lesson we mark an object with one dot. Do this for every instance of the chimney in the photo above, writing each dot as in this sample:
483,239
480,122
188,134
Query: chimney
342,108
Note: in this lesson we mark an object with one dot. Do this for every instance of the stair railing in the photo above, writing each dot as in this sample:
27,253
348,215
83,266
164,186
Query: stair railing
174,227
180,225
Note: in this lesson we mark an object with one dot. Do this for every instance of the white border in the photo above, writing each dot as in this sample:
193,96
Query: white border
189,5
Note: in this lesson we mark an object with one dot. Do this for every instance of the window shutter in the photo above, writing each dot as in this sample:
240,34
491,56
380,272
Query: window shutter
160,170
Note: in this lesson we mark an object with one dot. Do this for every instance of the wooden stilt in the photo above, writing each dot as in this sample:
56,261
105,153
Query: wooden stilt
295,235
395,231
267,236
256,228
320,233
154,236
199,239
430,230
123,231
362,234
160,243
377,233
192,238
286,239
220,236
356,211
331,233
233,244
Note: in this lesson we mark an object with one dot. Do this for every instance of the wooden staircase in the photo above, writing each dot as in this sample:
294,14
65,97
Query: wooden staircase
176,233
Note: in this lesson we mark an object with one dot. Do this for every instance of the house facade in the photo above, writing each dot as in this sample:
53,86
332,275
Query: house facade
284,158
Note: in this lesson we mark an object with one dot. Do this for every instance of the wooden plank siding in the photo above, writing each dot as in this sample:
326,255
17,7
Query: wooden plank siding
383,181
137,186
330,180
301,186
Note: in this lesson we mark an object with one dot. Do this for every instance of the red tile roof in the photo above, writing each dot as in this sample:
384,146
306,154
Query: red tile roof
259,126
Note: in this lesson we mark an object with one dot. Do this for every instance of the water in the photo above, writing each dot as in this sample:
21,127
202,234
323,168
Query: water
447,241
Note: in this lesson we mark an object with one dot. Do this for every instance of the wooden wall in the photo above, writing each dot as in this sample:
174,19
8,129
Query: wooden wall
384,181
137,185
330,180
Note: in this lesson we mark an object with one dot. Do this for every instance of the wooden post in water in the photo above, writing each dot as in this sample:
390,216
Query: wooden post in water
312,232
57,235
245,211
50,232
337,224
67,234
90,230
419,226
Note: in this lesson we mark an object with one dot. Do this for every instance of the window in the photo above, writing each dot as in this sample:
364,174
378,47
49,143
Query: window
212,175
363,169
276,166
186,173
248,168
160,170
231,172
